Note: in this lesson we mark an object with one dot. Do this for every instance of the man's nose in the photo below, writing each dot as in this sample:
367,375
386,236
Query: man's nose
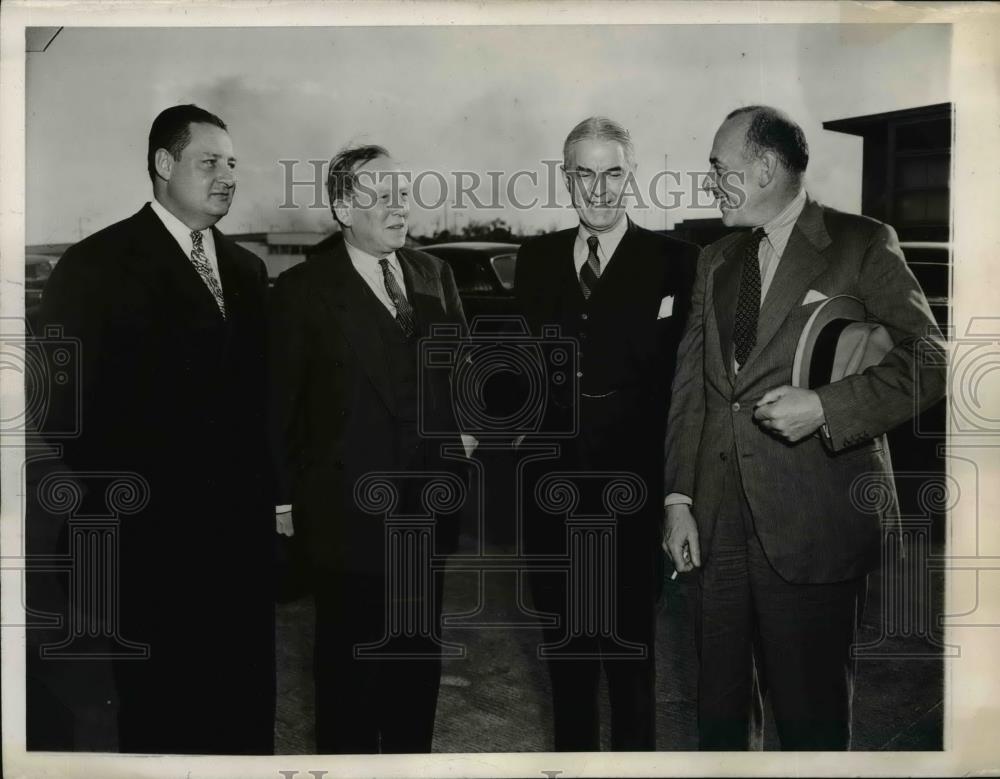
227,176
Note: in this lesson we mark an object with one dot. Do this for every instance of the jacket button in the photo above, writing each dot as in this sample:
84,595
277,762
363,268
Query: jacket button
579,374
584,317
736,406
722,456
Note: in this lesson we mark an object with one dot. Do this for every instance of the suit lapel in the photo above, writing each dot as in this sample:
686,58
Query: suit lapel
421,291
344,290
616,267
228,275
168,256
564,269
799,265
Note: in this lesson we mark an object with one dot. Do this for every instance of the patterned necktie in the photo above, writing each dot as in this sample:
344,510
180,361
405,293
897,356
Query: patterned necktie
404,311
200,261
748,302
590,272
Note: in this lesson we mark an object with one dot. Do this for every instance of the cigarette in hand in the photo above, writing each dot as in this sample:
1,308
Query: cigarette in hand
673,576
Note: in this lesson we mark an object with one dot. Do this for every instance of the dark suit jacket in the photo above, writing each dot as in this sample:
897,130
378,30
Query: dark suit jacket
624,350
171,391
817,505
334,418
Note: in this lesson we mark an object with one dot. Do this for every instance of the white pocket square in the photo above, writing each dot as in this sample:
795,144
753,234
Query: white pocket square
812,296
666,307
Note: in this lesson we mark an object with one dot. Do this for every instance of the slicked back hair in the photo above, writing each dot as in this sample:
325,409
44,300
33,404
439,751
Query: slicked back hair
772,130
599,128
342,176
171,130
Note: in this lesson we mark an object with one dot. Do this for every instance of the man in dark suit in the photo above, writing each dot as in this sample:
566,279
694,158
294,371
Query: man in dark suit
170,319
767,482
346,403
621,293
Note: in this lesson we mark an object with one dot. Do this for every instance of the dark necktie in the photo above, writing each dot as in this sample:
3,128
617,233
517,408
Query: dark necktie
404,311
748,302
590,272
200,261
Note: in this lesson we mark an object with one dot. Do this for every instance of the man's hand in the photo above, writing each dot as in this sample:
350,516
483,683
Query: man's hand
283,523
789,413
680,538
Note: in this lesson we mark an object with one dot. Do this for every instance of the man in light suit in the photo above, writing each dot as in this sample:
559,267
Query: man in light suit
621,292
170,319
763,477
344,385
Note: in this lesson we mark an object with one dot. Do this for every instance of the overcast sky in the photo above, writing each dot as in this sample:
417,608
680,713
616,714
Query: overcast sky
445,99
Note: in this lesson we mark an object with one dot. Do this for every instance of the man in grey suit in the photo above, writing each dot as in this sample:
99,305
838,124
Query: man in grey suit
763,479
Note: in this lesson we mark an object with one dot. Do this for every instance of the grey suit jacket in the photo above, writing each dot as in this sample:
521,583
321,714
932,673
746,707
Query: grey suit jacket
818,505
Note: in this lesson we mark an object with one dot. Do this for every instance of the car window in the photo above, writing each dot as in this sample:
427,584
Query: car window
503,265
471,276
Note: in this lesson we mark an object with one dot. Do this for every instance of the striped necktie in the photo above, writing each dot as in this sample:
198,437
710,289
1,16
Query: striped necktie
404,311
590,272
201,264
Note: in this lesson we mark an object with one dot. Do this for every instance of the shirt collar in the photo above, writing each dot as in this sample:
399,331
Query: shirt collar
784,221
609,239
363,258
180,231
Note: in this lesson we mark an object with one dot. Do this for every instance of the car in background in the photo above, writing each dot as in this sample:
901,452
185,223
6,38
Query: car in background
37,269
484,275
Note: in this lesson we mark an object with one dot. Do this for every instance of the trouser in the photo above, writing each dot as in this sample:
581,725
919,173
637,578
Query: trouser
382,703
575,676
759,634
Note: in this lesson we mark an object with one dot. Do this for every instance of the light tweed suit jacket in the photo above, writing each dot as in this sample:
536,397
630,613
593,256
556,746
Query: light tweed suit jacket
819,504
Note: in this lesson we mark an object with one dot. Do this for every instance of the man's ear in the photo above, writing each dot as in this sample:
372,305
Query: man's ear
342,212
163,164
566,178
768,162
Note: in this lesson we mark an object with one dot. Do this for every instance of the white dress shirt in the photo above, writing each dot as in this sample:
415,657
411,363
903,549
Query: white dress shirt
182,234
370,269
608,242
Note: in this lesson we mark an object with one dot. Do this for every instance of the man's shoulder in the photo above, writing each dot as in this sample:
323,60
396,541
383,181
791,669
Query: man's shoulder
301,274
427,263
104,248
841,223
240,254
546,240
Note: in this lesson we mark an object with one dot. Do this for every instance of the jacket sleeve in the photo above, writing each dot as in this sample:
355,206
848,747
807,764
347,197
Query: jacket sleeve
912,376
687,402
